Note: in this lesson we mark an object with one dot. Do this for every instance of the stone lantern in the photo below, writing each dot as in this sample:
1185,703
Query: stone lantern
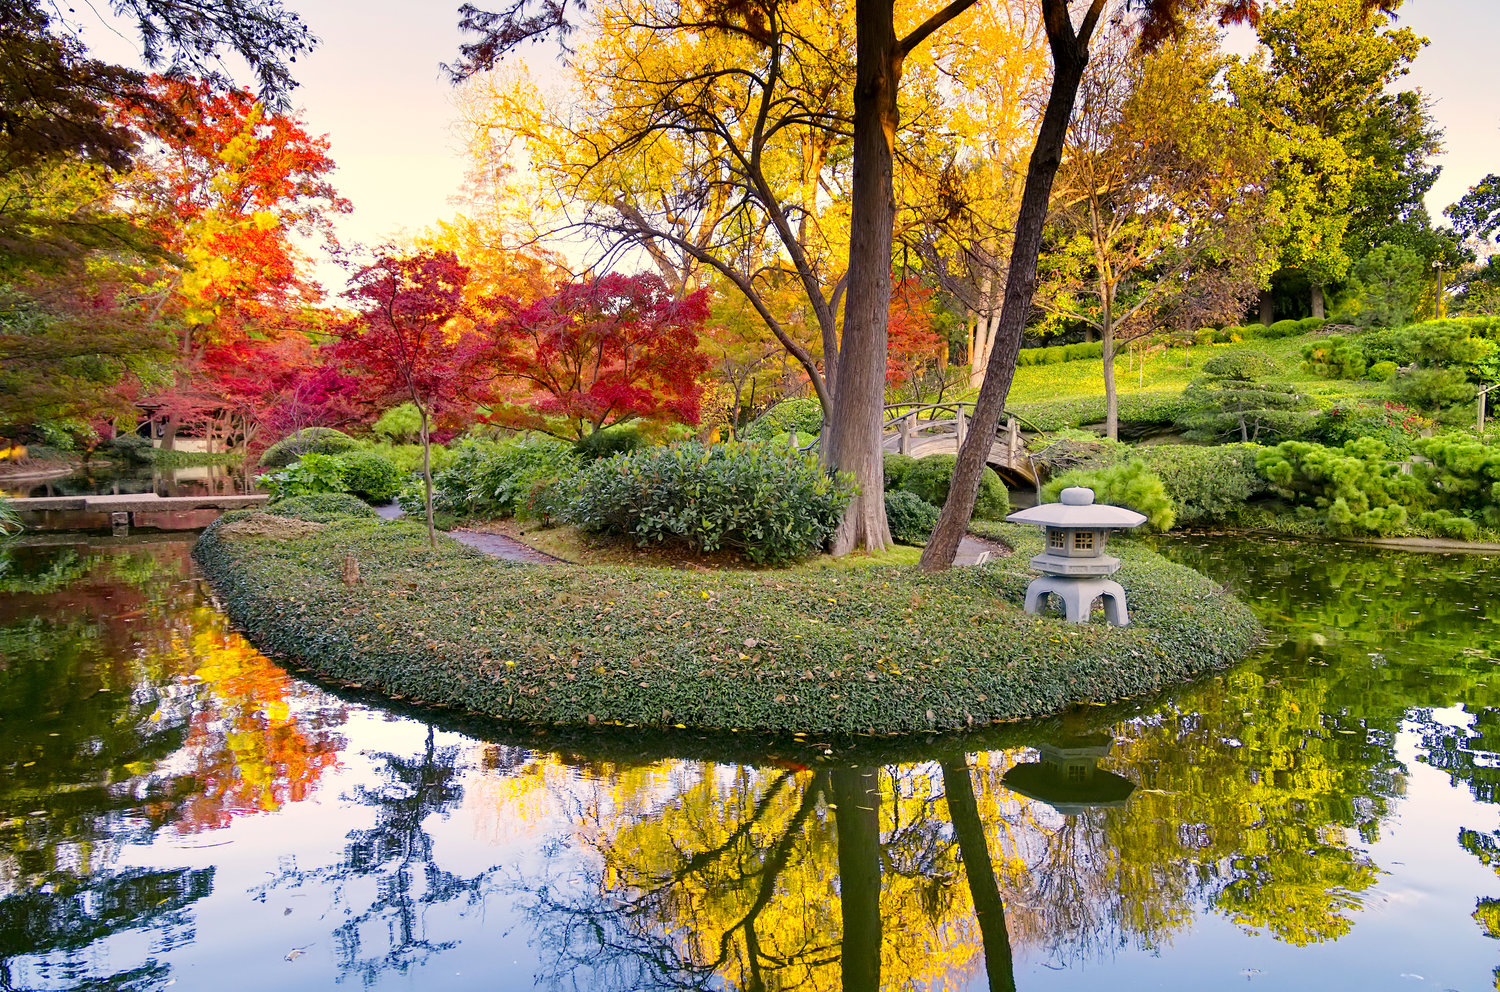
1074,563
1068,777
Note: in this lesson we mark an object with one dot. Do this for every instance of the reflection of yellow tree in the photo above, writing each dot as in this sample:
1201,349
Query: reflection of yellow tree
253,748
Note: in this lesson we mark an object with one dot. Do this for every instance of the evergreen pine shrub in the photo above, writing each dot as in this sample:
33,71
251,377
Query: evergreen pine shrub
1130,484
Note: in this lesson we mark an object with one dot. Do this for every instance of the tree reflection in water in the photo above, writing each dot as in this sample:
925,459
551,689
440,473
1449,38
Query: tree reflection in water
397,859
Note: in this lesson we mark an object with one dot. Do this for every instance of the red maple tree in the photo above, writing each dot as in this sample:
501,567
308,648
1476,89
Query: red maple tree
912,344
602,351
413,339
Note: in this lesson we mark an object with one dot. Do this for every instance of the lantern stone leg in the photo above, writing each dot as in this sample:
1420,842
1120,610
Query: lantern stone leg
1078,597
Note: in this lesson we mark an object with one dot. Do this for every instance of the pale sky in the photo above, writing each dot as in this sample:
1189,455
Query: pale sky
374,87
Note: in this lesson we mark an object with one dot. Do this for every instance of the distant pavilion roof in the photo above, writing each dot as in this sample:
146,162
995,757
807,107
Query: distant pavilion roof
1078,509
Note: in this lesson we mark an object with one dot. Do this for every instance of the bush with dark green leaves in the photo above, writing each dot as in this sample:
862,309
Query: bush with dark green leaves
1129,484
911,518
321,508
802,416
371,476
771,504
131,447
896,468
309,440
931,478
1207,485
1139,412
884,650
1392,424
1058,353
499,478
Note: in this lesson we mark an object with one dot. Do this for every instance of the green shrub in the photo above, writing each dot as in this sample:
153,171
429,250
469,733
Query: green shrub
1138,411
1433,389
309,440
1354,489
321,507
1308,325
1284,329
1335,357
931,477
1233,398
896,468
370,476
1056,354
500,478
1129,484
408,457
400,424
1206,484
1393,425
1464,473
307,476
911,518
1382,372
772,504
804,416
620,439
131,447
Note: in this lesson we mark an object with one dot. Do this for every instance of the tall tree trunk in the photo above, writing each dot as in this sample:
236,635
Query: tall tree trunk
852,442
1070,53
989,908
427,476
856,791
1267,308
1317,301
1111,391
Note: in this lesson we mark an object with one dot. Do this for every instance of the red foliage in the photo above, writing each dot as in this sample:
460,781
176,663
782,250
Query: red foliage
599,352
911,342
413,337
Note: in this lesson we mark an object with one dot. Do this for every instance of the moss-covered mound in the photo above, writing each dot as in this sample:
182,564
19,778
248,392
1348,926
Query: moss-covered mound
877,650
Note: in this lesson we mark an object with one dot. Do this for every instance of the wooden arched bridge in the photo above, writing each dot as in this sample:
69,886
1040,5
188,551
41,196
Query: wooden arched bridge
922,429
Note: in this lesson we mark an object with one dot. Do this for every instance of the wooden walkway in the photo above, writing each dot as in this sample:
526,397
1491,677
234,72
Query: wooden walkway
926,429
117,514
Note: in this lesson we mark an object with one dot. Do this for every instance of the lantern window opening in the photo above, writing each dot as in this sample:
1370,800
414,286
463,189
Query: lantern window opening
1083,540
1057,538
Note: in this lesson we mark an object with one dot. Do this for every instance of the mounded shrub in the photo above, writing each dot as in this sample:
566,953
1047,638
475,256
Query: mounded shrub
1433,389
1356,489
803,416
1206,484
1381,372
499,478
399,425
931,477
309,440
371,476
1129,484
1284,329
1058,353
321,508
772,504
911,518
896,469
1394,425
1336,357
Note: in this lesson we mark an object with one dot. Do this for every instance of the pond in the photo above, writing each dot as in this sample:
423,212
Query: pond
107,478
177,809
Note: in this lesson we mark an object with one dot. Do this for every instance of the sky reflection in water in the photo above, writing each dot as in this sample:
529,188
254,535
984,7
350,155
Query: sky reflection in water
174,807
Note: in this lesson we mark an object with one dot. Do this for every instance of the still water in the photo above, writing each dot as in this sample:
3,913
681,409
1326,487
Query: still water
106,479
177,810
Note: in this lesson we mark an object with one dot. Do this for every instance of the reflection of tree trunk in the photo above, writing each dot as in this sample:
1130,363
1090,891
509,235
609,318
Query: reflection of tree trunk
856,791
989,908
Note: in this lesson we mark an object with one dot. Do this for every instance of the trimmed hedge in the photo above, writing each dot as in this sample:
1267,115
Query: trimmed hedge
309,440
931,477
771,503
1056,354
320,508
910,517
877,650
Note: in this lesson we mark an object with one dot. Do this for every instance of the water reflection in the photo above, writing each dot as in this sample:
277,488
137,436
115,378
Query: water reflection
171,803
128,480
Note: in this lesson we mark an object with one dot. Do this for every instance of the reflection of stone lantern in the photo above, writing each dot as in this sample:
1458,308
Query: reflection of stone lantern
1068,777
1074,560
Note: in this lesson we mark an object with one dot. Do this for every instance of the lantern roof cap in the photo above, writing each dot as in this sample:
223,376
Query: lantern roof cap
1078,509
